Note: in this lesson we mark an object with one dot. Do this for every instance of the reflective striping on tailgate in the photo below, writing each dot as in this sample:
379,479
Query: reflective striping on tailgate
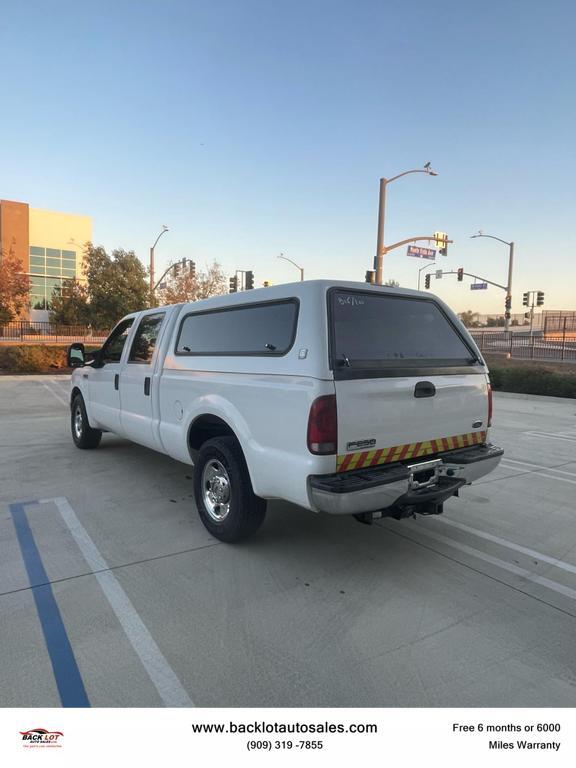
347,461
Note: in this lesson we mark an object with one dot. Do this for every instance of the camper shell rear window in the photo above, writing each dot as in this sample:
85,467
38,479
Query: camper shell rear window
380,332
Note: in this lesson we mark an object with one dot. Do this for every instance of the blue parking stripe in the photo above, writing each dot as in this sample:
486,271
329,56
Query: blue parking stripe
66,672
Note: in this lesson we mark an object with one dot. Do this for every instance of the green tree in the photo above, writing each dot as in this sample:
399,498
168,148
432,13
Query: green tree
468,318
14,287
392,283
115,285
69,305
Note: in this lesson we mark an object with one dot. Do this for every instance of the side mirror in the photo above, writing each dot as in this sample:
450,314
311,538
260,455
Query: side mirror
76,357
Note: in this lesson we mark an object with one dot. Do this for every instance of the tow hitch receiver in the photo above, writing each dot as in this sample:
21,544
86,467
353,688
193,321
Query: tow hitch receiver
424,474
430,484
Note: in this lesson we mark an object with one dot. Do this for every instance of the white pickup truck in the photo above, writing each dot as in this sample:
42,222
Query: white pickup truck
339,397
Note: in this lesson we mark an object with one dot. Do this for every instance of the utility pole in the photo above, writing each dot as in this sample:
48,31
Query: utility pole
151,270
380,247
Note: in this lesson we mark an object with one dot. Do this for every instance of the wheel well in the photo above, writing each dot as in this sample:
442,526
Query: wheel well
204,428
73,394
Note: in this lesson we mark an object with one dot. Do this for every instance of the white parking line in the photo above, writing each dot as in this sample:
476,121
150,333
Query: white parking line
550,436
537,474
163,677
538,466
56,395
510,545
521,572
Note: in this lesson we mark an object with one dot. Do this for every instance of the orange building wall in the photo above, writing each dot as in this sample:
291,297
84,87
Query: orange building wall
14,230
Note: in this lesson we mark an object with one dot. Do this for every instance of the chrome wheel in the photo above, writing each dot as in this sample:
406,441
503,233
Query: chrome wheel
216,490
78,422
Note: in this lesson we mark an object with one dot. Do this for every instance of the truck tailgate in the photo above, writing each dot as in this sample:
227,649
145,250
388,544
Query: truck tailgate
381,420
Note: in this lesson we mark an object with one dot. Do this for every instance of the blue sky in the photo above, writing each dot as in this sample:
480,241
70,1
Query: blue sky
252,127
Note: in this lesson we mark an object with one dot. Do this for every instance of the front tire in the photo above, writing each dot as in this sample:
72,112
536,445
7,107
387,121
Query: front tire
226,503
82,433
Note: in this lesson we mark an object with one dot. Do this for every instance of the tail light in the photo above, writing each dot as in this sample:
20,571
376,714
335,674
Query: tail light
323,426
489,405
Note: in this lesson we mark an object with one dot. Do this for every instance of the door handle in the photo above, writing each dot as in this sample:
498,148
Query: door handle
147,386
116,380
424,389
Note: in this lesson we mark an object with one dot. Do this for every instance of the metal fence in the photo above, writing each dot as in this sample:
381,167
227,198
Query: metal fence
559,324
526,346
27,332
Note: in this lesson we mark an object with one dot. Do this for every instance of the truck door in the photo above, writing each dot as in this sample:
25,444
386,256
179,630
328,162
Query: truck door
138,396
104,395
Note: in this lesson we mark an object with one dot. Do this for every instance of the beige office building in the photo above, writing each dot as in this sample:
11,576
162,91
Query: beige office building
50,246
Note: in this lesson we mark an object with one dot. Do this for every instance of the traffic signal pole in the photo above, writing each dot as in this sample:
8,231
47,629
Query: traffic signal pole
426,266
476,277
509,288
380,251
532,299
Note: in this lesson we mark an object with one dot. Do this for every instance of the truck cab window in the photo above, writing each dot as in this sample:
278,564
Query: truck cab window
113,346
144,343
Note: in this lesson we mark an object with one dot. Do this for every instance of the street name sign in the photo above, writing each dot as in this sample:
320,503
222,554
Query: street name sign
478,286
421,253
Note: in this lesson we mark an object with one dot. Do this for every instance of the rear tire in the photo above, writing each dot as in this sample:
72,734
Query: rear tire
82,433
226,503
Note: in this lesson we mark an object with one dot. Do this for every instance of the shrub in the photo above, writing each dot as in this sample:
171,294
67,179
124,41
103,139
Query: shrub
32,358
533,381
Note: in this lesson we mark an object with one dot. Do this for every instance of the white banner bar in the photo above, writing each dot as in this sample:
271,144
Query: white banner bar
315,737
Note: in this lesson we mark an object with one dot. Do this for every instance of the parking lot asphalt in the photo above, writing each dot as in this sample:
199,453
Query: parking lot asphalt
113,594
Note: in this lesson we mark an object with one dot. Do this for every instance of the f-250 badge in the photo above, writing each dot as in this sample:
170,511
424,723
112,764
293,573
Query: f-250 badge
359,444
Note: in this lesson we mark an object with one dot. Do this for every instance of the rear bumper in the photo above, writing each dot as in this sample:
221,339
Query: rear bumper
396,486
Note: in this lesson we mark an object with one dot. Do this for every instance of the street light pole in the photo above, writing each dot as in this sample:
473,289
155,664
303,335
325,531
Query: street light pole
152,298
510,269
281,256
380,247
426,266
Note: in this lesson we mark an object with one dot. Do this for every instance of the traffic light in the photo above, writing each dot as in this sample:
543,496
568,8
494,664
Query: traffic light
370,276
460,274
508,302
526,299
427,281
249,280
192,268
176,270
233,284
441,242
539,298
266,283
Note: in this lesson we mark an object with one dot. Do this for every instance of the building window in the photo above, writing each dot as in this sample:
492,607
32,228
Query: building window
48,268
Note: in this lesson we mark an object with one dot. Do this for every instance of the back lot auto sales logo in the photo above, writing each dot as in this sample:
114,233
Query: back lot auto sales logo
40,737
